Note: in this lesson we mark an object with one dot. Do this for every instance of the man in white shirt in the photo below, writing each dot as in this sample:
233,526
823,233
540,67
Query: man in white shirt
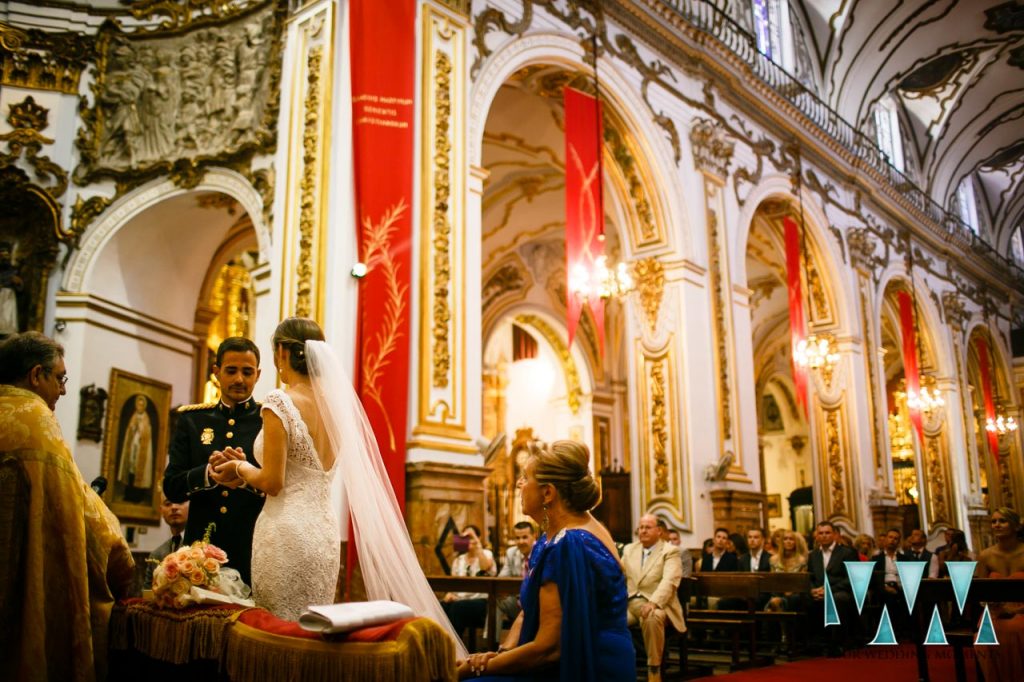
828,562
516,564
886,579
653,571
757,560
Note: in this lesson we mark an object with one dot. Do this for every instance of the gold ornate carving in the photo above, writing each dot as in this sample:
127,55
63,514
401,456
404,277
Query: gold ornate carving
175,101
574,393
820,311
377,253
304,270
43,60
718,303
183,15
625,159
712,148
508,278
659,427
872,383
861,245
936,480
834,460
28,120
442,229
650,283
457,6
953,307
85,211
218,202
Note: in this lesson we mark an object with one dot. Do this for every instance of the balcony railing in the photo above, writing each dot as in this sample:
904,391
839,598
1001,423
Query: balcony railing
709,19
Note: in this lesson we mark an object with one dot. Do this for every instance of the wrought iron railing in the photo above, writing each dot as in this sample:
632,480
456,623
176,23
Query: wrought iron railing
709,19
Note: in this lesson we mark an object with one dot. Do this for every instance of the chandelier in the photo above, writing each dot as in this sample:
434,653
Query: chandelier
817,352
1001,424
603,281
926,400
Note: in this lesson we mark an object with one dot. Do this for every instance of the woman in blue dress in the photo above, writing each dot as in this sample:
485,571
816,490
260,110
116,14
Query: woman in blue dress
573,622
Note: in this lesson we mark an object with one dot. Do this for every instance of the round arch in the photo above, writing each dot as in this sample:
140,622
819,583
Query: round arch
124,210
930,323
823,249
555,49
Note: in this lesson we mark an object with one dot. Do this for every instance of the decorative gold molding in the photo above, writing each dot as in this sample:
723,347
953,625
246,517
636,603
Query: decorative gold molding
659,427
835,465
43,60
28,120
936,474
712,148
442,228
872,382
190,14
308,189
574,393
461,7
953,307
218,202
719,301
650,283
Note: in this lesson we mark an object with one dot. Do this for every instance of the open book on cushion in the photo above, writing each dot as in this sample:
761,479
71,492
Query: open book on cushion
352,615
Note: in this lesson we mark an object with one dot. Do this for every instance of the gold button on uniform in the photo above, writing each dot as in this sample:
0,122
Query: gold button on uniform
231,422
224,493
223,510
229,434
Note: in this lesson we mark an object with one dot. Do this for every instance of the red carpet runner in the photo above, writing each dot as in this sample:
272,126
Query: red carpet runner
891,664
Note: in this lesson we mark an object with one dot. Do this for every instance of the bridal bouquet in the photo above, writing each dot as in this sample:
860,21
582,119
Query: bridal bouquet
195,574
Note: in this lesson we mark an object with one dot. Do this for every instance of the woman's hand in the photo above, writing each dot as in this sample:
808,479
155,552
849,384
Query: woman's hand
227,475
448,597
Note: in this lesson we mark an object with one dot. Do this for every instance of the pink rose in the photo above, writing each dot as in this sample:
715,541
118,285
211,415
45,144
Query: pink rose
187,566
215,553
197,577
170,570
211,565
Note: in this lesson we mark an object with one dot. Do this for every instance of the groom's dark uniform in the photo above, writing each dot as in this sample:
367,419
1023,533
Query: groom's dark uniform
200,430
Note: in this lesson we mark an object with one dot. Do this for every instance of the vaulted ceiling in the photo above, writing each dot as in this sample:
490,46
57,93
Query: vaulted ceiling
955,67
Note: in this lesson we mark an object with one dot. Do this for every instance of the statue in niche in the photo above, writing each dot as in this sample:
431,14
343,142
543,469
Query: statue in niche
11,286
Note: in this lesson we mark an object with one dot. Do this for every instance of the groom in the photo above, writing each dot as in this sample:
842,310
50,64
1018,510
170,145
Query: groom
200,437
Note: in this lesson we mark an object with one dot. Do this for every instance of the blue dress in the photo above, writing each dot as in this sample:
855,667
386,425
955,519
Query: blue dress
595,644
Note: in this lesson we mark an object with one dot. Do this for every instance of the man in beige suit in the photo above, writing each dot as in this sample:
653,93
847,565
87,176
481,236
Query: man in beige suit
653,570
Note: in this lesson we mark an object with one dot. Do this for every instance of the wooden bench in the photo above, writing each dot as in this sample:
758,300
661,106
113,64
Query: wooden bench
492,587
744,587
940,591
784,583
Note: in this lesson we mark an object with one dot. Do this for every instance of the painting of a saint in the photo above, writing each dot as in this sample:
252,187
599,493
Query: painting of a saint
136,462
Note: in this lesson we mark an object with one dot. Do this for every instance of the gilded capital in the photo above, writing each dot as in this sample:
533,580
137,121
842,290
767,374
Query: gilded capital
650,280
712,147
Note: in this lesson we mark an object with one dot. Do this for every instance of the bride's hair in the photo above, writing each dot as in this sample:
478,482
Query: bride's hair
565,464
293,333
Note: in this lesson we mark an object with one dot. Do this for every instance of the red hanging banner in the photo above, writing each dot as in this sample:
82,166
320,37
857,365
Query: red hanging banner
797,323
382,36
584,205
910,371
986,391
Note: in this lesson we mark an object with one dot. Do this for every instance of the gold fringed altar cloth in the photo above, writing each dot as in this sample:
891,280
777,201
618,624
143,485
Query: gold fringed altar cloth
252,645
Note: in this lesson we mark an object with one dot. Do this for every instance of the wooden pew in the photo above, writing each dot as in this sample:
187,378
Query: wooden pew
741,586
940,591
492,587
783,583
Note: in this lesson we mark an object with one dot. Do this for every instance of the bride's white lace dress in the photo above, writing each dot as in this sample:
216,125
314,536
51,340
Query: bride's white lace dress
296,545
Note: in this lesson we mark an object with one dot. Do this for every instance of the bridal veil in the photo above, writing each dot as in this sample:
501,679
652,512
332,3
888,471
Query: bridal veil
389,565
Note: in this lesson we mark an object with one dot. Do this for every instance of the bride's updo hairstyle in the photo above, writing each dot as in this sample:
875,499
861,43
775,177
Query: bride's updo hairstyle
565,464
292,334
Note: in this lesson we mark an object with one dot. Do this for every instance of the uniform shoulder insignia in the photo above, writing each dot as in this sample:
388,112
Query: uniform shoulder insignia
198,406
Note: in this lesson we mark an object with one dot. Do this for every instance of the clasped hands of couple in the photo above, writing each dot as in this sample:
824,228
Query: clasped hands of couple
474,664
225,467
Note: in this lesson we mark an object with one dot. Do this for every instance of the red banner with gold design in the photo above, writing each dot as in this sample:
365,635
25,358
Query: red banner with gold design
910,371
584,205
986,391
797,322
383,43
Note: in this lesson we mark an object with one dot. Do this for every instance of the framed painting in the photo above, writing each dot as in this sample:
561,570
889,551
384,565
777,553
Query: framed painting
134,446
774,504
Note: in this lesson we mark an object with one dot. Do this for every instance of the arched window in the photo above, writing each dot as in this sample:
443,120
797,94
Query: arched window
773,32
887,127
1017,247
967,205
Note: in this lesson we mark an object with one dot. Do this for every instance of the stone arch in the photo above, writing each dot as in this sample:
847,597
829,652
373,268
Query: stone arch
828,260
123,210
556,49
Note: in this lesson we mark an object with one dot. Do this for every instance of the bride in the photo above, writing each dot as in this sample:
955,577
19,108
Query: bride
320,463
